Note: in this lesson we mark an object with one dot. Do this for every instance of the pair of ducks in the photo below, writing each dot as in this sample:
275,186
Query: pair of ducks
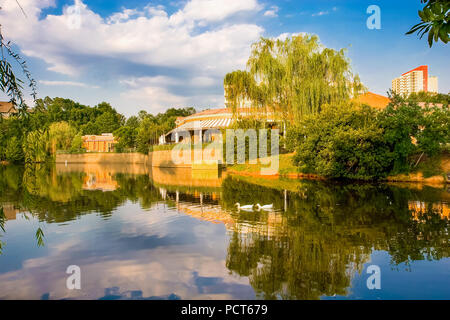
249,207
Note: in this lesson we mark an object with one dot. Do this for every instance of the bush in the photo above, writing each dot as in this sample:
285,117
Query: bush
359,142
342,141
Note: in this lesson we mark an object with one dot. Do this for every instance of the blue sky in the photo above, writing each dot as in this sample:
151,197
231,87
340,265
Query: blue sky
153,55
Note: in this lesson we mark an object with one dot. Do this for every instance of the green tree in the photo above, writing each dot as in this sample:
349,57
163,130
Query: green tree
61,136
435,130
91,128
3,139
152,127
10,128
435,18
291,78
148,134
401,122
77,144
9,83
14,152
343,141
127,138
36,146
102,118
430,97
133,122
108,122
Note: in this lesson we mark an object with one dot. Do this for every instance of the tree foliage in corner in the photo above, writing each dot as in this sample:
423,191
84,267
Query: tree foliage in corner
9,83
435,18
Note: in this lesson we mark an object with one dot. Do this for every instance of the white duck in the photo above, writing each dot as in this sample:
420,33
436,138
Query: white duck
245,208
267,207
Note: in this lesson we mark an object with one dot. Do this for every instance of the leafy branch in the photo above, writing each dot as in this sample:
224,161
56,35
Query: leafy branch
435,18
2,226
40,237
9,83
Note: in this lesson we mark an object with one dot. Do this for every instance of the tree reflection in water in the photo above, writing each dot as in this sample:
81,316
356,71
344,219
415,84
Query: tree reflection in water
318,237
327,233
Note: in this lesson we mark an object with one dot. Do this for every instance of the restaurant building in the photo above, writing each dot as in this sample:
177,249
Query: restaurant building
219,119
104,143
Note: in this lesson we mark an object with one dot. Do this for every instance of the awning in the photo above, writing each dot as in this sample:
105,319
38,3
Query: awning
204,125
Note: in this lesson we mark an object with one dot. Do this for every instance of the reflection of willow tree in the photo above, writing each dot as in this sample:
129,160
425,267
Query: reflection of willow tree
2,226
327,233
13,184
57,198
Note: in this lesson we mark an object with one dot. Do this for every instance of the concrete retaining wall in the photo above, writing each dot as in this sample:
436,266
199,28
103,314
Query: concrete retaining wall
161,159
104,158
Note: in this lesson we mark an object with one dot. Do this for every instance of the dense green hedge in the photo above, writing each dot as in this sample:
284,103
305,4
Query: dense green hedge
350,141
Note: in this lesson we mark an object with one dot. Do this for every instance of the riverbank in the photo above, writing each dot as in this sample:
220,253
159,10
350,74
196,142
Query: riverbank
430,171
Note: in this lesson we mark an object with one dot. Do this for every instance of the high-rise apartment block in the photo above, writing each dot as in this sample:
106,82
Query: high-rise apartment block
414,81
433,84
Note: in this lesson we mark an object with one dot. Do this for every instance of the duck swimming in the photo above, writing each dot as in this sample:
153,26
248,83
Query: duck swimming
267,207
247,207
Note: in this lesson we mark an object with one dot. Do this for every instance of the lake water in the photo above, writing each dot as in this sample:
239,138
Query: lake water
142,233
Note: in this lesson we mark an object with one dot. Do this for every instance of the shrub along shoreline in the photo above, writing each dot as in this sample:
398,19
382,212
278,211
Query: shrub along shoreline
406,142
351,141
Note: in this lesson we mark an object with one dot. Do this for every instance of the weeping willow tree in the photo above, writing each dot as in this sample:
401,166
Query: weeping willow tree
9,83
291,78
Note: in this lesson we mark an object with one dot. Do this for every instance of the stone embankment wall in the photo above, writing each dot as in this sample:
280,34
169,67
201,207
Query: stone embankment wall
161,159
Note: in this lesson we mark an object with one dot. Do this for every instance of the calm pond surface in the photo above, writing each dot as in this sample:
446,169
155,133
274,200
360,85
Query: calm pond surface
142,233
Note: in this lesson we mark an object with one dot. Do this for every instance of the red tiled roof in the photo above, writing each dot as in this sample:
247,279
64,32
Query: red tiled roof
211,112
102,138
374,100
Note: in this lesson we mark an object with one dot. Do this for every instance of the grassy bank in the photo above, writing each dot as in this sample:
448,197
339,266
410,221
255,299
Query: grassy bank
287,166
429,170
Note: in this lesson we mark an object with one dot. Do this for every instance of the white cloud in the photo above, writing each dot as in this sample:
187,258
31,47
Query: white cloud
197,43
286,35
152,92
66,84
144,81
215,10
153,39
272,12
320,13
123,16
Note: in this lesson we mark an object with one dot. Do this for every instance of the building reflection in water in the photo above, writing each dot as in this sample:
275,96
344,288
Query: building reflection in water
10,211
103,181
420,208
